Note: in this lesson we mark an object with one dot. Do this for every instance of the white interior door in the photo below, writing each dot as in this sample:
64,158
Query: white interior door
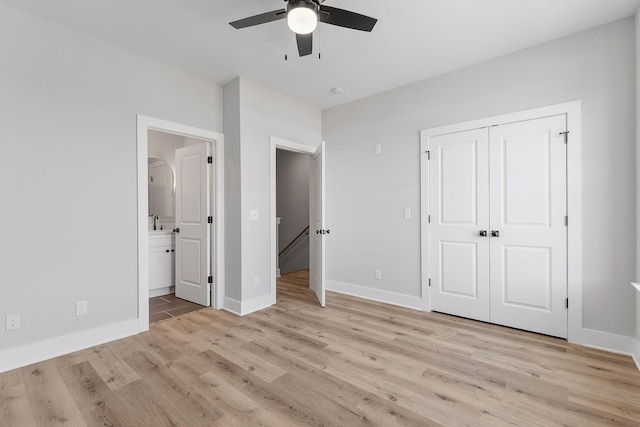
193,267
528,207
458,205
317,224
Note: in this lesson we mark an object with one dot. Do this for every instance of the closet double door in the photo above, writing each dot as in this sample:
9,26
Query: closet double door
497,232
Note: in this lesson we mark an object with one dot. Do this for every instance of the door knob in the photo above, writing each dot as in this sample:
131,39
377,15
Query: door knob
495,233
317,231
483,233
176,230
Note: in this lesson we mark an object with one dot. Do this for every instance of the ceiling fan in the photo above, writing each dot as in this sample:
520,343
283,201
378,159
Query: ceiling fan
303,16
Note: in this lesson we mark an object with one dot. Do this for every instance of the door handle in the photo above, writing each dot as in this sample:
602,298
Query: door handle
176,230
495,233
483,233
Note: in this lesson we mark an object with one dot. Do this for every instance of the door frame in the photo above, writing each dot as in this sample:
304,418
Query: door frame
144,124
572,110
276,143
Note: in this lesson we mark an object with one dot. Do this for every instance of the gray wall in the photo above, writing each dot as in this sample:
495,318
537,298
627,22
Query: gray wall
292,205
367,192
69,194
253,114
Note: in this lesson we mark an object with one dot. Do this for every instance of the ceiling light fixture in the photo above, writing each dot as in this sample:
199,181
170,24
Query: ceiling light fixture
302,16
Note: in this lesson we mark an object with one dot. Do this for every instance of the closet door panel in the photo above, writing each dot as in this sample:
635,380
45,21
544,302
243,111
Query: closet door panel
528,252
458,201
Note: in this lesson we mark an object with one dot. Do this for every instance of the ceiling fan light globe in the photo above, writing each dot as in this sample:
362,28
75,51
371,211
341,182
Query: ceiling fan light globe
302,20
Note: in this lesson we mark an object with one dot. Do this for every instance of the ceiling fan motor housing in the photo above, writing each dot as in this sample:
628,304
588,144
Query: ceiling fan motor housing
309,4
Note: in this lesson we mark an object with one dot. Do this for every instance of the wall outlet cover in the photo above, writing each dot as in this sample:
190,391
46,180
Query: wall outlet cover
81,308
13,322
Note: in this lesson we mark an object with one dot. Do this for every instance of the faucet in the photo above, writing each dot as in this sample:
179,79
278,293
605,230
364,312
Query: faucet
155,218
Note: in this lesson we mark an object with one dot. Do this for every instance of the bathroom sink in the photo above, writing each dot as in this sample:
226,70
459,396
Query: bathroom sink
165,231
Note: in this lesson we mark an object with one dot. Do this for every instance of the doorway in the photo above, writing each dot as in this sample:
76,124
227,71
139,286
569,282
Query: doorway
317,231
216,248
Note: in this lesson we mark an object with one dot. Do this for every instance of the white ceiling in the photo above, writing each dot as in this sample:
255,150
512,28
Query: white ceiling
413,39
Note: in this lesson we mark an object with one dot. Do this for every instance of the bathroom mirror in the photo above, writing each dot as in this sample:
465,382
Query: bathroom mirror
161,190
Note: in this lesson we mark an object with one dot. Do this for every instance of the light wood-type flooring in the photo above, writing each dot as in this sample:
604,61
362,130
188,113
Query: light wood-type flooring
353,363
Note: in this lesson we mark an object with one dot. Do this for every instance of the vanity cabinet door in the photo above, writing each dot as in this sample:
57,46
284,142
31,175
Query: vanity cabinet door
158,266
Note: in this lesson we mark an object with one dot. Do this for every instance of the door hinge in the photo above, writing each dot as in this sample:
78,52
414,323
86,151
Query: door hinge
566,136
566,302
566,220
429,219
151,179
210,159
429,282
210,279
428,154
210,220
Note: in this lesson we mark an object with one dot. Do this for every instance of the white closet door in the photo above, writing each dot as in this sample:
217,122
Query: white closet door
528,207
458,203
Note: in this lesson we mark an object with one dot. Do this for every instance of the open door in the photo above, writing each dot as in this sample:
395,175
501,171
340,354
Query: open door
317,224
193,267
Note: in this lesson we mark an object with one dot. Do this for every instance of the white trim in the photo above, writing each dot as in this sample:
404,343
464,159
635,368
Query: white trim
606,341
17,357
282,144
378,295
242,308
144,124
574,200
232,306
635,352
162,291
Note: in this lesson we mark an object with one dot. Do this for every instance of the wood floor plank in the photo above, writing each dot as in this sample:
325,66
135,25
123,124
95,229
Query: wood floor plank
50,400
354,362
92,396
14,407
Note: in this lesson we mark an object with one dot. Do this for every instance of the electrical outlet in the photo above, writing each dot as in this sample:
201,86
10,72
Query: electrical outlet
377,148
81,308
13,322
378,274
256,281
407,213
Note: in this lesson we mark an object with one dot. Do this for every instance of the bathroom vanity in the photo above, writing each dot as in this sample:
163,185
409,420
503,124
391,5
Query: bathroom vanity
161,262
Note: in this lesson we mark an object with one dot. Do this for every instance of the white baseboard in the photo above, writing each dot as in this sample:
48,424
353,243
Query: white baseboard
232,306
162,291
606,341
393,298
18,357
242,308
636,352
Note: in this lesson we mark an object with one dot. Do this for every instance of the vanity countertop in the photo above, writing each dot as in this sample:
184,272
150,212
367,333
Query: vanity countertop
160,232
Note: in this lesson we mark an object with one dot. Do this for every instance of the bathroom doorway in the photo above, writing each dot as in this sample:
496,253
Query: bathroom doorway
157,249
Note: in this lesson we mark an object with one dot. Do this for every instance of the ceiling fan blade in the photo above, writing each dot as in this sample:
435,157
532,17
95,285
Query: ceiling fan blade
346,19
263,18
305,44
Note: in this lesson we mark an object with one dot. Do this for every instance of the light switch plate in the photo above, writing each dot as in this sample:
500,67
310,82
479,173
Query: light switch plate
407,213
377,148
